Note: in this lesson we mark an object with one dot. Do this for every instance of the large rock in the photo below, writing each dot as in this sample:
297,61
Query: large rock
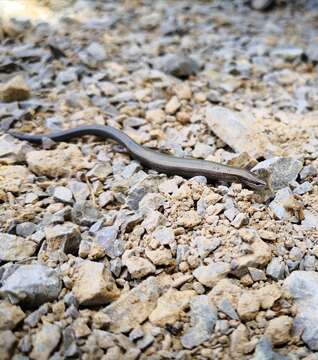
31,285
134,307
15,248
170,305
93,284
239,131
302,286
54,163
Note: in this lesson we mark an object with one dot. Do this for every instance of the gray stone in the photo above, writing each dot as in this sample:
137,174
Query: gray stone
288,53
312,52
283,170
25,229
85,213
303,188
80,190
302,286
31,285
308,170
226,307
177,65
276,269
15,248
310,220
257,274
45,341
205,246
203,316
164,235
33,318
107,239
264,351
63,194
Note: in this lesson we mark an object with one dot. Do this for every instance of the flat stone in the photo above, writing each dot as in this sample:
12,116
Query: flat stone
203,316
12,152
108,240
15,248
25,229
45,341
310,220
80,190
102,288
276,269
160,256
56,163
209,275
63,194
238,130
189,219
65,237
302,286
14,178
133,308
138,267
169,306
15,89
283,170
31,285
10,315
205,245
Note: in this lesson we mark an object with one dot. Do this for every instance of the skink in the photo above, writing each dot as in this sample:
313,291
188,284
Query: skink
187,167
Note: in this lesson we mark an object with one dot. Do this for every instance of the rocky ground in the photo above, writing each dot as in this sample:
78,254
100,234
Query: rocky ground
103,259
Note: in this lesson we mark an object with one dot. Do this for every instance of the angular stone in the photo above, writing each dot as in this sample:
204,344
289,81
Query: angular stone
210,275
15,248
7,344
138,267
45,341
15,89
14,178
31,285
10,315
93,284
238,130
134,307
65,237
160,256
302,286
189,219
169,306
248,306
279,330
63,194
56,163
203,316
283,170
